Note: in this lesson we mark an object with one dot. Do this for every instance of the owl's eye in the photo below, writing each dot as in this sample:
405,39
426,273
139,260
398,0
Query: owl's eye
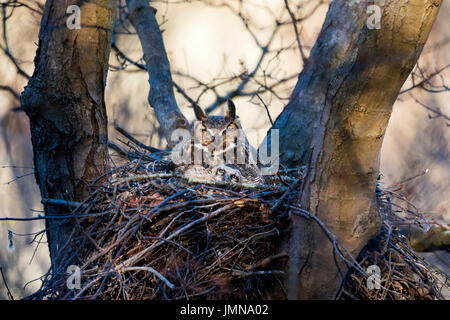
220,172
234,178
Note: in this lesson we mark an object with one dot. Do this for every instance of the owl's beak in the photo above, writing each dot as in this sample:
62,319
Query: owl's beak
216,139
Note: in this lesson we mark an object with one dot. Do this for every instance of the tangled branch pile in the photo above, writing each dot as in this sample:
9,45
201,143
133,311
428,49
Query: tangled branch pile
146,233
404,274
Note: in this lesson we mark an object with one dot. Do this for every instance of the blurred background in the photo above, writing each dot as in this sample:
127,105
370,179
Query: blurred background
214,47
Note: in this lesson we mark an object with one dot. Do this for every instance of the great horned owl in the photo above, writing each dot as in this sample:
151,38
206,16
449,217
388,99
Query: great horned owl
219,149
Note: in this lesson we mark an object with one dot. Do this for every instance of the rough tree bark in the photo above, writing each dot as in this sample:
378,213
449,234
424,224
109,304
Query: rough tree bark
161,96
338,113
64,100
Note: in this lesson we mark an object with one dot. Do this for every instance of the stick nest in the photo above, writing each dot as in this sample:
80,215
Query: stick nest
145,233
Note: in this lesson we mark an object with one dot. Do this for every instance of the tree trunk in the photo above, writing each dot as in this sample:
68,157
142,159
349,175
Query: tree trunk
65,103
338,113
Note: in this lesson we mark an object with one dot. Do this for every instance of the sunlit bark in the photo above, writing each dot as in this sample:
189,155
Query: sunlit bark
64,100
337,117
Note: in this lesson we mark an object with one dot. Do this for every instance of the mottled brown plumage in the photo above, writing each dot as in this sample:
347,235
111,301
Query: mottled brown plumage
219,149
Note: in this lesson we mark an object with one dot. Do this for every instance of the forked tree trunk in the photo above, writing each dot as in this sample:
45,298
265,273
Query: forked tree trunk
339,111
65,103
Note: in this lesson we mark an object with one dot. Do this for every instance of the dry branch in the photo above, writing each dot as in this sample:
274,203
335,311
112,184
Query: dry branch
161,96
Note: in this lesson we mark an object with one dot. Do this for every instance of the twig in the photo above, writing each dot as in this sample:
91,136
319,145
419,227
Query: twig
134,140
141,254
297,34
193,181
62,203
239,273
426,80
11,297
334,240
11,91
265,106
149,269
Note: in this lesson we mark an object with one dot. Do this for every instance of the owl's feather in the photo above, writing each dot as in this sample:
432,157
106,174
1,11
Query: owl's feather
224,149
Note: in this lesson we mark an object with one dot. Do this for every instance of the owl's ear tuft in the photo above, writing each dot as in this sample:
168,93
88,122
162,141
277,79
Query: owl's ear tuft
231,112
199,113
